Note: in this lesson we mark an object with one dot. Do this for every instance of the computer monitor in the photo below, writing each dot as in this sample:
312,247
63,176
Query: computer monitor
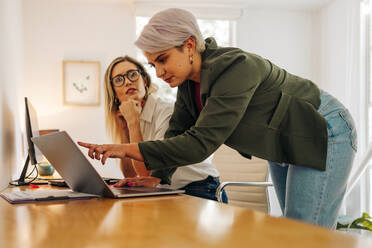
32,130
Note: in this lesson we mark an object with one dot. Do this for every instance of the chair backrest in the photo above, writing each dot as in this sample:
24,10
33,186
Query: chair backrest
234,167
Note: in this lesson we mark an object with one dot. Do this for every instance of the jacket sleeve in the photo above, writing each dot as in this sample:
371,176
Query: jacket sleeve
227,101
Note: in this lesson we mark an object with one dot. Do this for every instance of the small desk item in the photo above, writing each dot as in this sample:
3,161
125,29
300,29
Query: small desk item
80,174
58,183
43,195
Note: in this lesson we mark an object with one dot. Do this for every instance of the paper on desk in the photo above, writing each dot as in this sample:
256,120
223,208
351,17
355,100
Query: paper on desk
44,195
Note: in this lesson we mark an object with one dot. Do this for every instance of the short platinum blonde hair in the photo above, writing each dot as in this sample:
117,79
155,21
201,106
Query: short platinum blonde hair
170,28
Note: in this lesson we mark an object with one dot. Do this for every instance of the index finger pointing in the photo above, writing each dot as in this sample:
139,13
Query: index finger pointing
86,145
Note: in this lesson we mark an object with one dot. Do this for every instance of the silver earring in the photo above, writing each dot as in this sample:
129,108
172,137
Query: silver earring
191,59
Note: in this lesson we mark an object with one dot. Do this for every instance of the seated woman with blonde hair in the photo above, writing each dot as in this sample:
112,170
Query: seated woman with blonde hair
134,115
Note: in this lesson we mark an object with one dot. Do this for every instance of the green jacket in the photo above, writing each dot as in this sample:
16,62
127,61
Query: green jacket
251,105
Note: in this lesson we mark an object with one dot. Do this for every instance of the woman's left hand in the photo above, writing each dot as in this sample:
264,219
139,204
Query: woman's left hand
131,110
150,182
107,151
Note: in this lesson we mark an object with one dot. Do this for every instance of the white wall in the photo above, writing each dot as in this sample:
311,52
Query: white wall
11,74
335,47
282,36
73,30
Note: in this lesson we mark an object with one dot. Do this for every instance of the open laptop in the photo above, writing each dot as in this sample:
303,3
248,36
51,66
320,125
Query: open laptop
80,175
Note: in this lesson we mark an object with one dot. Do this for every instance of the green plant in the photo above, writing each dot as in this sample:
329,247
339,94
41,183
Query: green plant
364,222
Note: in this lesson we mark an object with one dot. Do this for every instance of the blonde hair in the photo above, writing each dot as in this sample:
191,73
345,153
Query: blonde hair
170,28
111,108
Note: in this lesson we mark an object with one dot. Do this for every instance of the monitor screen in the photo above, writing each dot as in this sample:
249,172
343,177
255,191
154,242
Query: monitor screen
32,130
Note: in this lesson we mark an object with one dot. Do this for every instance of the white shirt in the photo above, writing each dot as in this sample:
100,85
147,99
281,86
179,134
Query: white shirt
154,121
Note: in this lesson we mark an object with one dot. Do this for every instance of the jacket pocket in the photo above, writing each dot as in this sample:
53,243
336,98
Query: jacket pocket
280,111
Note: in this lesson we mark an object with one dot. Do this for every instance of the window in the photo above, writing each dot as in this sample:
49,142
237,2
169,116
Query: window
222,30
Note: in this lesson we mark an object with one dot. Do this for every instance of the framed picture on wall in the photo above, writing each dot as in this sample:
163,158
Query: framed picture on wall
81,83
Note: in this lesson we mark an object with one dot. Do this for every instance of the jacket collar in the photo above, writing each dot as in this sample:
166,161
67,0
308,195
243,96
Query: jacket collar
206,68
210,45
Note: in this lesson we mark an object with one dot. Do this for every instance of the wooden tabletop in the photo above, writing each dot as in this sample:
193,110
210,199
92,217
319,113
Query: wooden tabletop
162,221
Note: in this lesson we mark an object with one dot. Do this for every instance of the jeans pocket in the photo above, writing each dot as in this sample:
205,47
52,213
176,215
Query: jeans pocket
346,116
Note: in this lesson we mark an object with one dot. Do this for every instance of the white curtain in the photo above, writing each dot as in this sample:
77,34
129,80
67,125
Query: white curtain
340,74
355,200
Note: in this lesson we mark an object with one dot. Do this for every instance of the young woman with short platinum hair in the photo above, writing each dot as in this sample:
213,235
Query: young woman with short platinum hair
229,96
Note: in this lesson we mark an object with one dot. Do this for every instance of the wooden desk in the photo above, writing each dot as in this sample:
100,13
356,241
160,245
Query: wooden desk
165,221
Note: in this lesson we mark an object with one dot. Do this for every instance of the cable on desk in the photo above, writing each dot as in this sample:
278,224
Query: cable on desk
27,177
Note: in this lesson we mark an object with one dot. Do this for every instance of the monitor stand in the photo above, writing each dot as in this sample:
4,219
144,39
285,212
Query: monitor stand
21,180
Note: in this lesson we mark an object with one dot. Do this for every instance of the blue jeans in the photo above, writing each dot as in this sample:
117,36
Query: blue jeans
312,195
205,189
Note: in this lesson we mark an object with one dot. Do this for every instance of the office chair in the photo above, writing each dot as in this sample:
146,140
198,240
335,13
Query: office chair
236,173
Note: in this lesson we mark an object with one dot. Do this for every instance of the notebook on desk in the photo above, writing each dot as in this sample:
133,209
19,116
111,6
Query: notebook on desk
43,195
80,175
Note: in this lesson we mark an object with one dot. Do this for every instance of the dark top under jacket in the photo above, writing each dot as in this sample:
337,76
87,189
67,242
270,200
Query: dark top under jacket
251,105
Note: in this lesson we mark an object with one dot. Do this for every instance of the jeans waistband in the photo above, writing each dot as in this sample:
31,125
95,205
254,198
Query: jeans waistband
329,104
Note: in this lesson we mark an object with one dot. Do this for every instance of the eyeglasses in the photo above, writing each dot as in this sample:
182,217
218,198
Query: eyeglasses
132,75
